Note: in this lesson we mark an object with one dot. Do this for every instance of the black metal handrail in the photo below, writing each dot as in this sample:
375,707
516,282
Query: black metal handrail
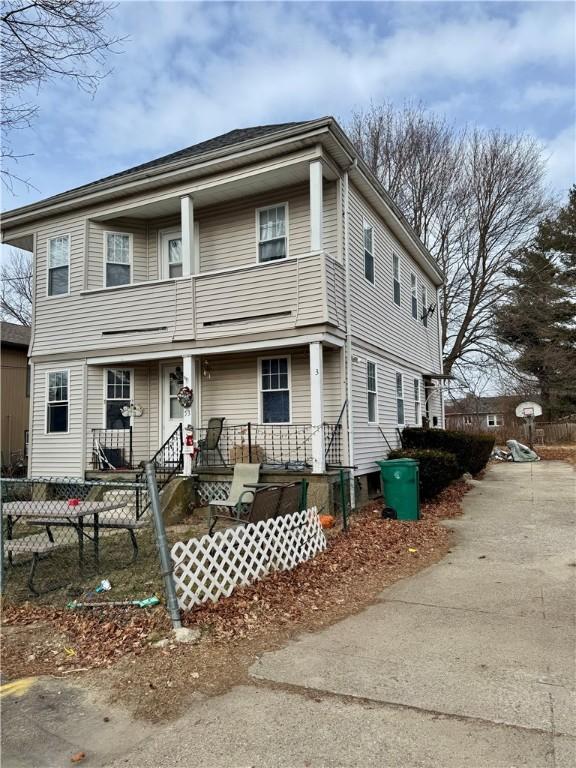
168,460
112,449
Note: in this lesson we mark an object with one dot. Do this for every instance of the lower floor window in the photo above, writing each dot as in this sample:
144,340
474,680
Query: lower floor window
275,391
372,392
57,402
399,398
495,420
118,390
417,404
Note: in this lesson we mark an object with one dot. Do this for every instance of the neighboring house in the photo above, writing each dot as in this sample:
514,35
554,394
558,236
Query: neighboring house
267,269
15,401
483,413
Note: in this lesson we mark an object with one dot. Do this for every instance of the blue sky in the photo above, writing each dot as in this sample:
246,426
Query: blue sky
189,71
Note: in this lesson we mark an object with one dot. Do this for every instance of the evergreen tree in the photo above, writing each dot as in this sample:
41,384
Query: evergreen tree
538,322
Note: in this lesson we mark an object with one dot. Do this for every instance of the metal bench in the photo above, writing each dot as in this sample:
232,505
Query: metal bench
36,544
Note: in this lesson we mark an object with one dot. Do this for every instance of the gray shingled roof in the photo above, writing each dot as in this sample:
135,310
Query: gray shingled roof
237,136
17,335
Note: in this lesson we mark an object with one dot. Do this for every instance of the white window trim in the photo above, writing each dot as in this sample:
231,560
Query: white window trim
164,235
48,241
287,228
494,416
367,225
377,409
46,401
130,235
418,421
260,390
105,383
397,255
396,398
468,420
414,295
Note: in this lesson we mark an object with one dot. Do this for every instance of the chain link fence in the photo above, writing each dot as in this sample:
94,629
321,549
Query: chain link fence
63,537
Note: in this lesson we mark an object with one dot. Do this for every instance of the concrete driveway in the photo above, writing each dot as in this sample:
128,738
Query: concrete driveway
469,664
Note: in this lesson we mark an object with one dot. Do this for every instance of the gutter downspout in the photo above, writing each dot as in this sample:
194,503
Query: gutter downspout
348,346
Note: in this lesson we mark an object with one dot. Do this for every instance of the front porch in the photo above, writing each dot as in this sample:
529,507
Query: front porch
281,407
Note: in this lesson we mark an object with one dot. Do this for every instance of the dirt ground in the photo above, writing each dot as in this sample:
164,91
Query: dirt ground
111,649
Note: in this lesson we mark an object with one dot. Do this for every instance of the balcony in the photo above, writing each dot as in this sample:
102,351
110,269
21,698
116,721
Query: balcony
277,296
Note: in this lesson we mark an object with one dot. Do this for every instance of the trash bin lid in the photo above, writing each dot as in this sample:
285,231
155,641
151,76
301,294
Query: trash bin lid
397,462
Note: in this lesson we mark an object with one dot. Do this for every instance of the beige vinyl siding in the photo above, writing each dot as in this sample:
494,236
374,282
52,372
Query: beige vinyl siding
232,391
78,322
58,454
336,293
330,241
369,444
376,319
145,428
244,301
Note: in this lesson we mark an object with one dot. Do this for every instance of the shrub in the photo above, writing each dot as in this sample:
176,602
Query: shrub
437,469
471,450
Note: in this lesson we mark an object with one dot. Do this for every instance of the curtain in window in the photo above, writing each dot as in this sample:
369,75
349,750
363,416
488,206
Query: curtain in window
272,225
58,264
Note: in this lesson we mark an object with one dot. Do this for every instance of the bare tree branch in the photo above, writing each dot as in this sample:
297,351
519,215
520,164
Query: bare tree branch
472,196
42,41
16,278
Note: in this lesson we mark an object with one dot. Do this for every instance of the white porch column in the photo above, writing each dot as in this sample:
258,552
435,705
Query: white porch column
316,204
189,266
317,406
192,414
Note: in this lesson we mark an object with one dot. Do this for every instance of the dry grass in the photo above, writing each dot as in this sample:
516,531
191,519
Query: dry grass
557,453
155,683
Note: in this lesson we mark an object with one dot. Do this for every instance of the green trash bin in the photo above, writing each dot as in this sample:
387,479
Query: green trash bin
401,487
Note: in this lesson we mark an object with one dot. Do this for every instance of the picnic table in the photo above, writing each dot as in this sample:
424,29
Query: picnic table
58,513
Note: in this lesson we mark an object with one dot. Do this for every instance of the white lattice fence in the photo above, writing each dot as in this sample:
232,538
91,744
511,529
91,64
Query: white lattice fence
213,490
212,566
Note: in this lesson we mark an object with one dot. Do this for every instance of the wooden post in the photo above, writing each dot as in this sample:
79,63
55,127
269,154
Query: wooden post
316,204
317,406
189,267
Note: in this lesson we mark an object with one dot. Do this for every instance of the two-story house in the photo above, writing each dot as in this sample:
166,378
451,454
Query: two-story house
267,269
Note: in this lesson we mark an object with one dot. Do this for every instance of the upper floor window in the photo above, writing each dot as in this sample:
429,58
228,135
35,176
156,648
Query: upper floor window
272,238
118,258
171,253
275,390
59,265
414,296
372,392
399,399
424,297
368,252
495,420
396,278
417,403
57,401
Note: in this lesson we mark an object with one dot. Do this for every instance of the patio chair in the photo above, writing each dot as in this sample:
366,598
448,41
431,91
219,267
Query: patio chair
212,440
239,495
268,502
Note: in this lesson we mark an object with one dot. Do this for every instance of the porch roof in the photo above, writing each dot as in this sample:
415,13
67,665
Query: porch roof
253,346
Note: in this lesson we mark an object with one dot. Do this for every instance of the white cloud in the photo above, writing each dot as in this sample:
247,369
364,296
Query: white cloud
561,163
193,70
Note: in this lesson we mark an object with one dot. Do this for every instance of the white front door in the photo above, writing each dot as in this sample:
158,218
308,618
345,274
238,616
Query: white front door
172,378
